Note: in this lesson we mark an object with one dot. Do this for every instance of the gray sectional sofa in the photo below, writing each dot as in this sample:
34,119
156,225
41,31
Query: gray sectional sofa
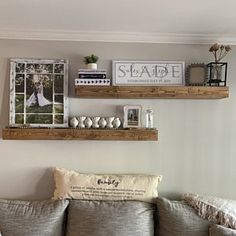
100,218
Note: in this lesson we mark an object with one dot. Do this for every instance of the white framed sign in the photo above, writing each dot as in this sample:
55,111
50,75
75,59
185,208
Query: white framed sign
148,73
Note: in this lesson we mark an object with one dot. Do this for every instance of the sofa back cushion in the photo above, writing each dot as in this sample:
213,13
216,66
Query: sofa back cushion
32,218
176,218
110,218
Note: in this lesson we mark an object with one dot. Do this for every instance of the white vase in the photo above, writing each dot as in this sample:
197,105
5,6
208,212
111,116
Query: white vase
74,122
88,123
102,123
109,122
81,120
95,122
116,123
92,66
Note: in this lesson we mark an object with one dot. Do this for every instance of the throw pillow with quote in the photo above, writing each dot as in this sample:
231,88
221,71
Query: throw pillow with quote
73,185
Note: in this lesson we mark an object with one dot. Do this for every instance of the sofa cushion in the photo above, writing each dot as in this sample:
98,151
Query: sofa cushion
110,218
32,218
74,185
217,210
176,218
217,230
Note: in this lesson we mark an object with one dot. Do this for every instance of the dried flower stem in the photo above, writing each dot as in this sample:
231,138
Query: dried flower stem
221,49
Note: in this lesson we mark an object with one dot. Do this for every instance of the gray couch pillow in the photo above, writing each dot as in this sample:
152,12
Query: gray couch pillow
176,218
32,218
110,218
217,230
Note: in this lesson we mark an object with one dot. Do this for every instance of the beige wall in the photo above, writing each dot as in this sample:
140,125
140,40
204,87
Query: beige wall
196,148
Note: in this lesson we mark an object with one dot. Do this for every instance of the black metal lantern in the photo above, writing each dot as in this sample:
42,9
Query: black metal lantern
217,72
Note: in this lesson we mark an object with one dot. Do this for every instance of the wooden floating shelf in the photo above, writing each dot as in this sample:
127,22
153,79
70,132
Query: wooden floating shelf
174,92
80,134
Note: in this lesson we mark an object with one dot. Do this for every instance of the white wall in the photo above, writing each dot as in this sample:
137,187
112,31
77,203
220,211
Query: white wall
196,148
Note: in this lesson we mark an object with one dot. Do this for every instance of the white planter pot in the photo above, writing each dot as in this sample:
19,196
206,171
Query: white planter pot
92,66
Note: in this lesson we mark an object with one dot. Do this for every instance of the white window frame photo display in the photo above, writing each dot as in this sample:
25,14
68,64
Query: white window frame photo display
38,93
132,116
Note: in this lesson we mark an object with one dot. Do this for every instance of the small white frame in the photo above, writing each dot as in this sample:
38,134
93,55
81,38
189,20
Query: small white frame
132,116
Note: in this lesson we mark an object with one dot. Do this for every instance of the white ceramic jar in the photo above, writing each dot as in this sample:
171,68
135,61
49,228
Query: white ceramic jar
102,123
116,123
95,120
81,120
109,122
74,122
88,123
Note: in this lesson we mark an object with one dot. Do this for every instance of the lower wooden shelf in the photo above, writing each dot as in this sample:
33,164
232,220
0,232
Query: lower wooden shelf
80,134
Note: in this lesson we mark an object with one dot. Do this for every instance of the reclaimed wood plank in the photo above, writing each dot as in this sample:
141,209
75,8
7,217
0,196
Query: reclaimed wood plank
154,92
80,134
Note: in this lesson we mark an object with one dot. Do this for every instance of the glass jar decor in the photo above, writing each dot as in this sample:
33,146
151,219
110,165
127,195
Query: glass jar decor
218,69
217,72
149,118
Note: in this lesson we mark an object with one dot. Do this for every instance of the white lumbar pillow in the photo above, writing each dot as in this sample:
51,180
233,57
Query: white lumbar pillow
74,185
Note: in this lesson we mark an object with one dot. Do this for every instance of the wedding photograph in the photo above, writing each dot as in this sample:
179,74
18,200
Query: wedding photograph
39,94
133,116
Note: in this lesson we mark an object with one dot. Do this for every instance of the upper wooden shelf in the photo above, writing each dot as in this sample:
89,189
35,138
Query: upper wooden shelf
80,134
174,92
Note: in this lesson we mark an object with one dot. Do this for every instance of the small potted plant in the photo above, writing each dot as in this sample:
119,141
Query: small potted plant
91,61
218,68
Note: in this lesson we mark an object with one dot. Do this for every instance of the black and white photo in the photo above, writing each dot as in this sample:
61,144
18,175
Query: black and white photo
132,116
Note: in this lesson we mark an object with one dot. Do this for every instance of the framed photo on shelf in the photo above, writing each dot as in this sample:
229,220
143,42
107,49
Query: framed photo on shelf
132,116
38,93
148,73
196,74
